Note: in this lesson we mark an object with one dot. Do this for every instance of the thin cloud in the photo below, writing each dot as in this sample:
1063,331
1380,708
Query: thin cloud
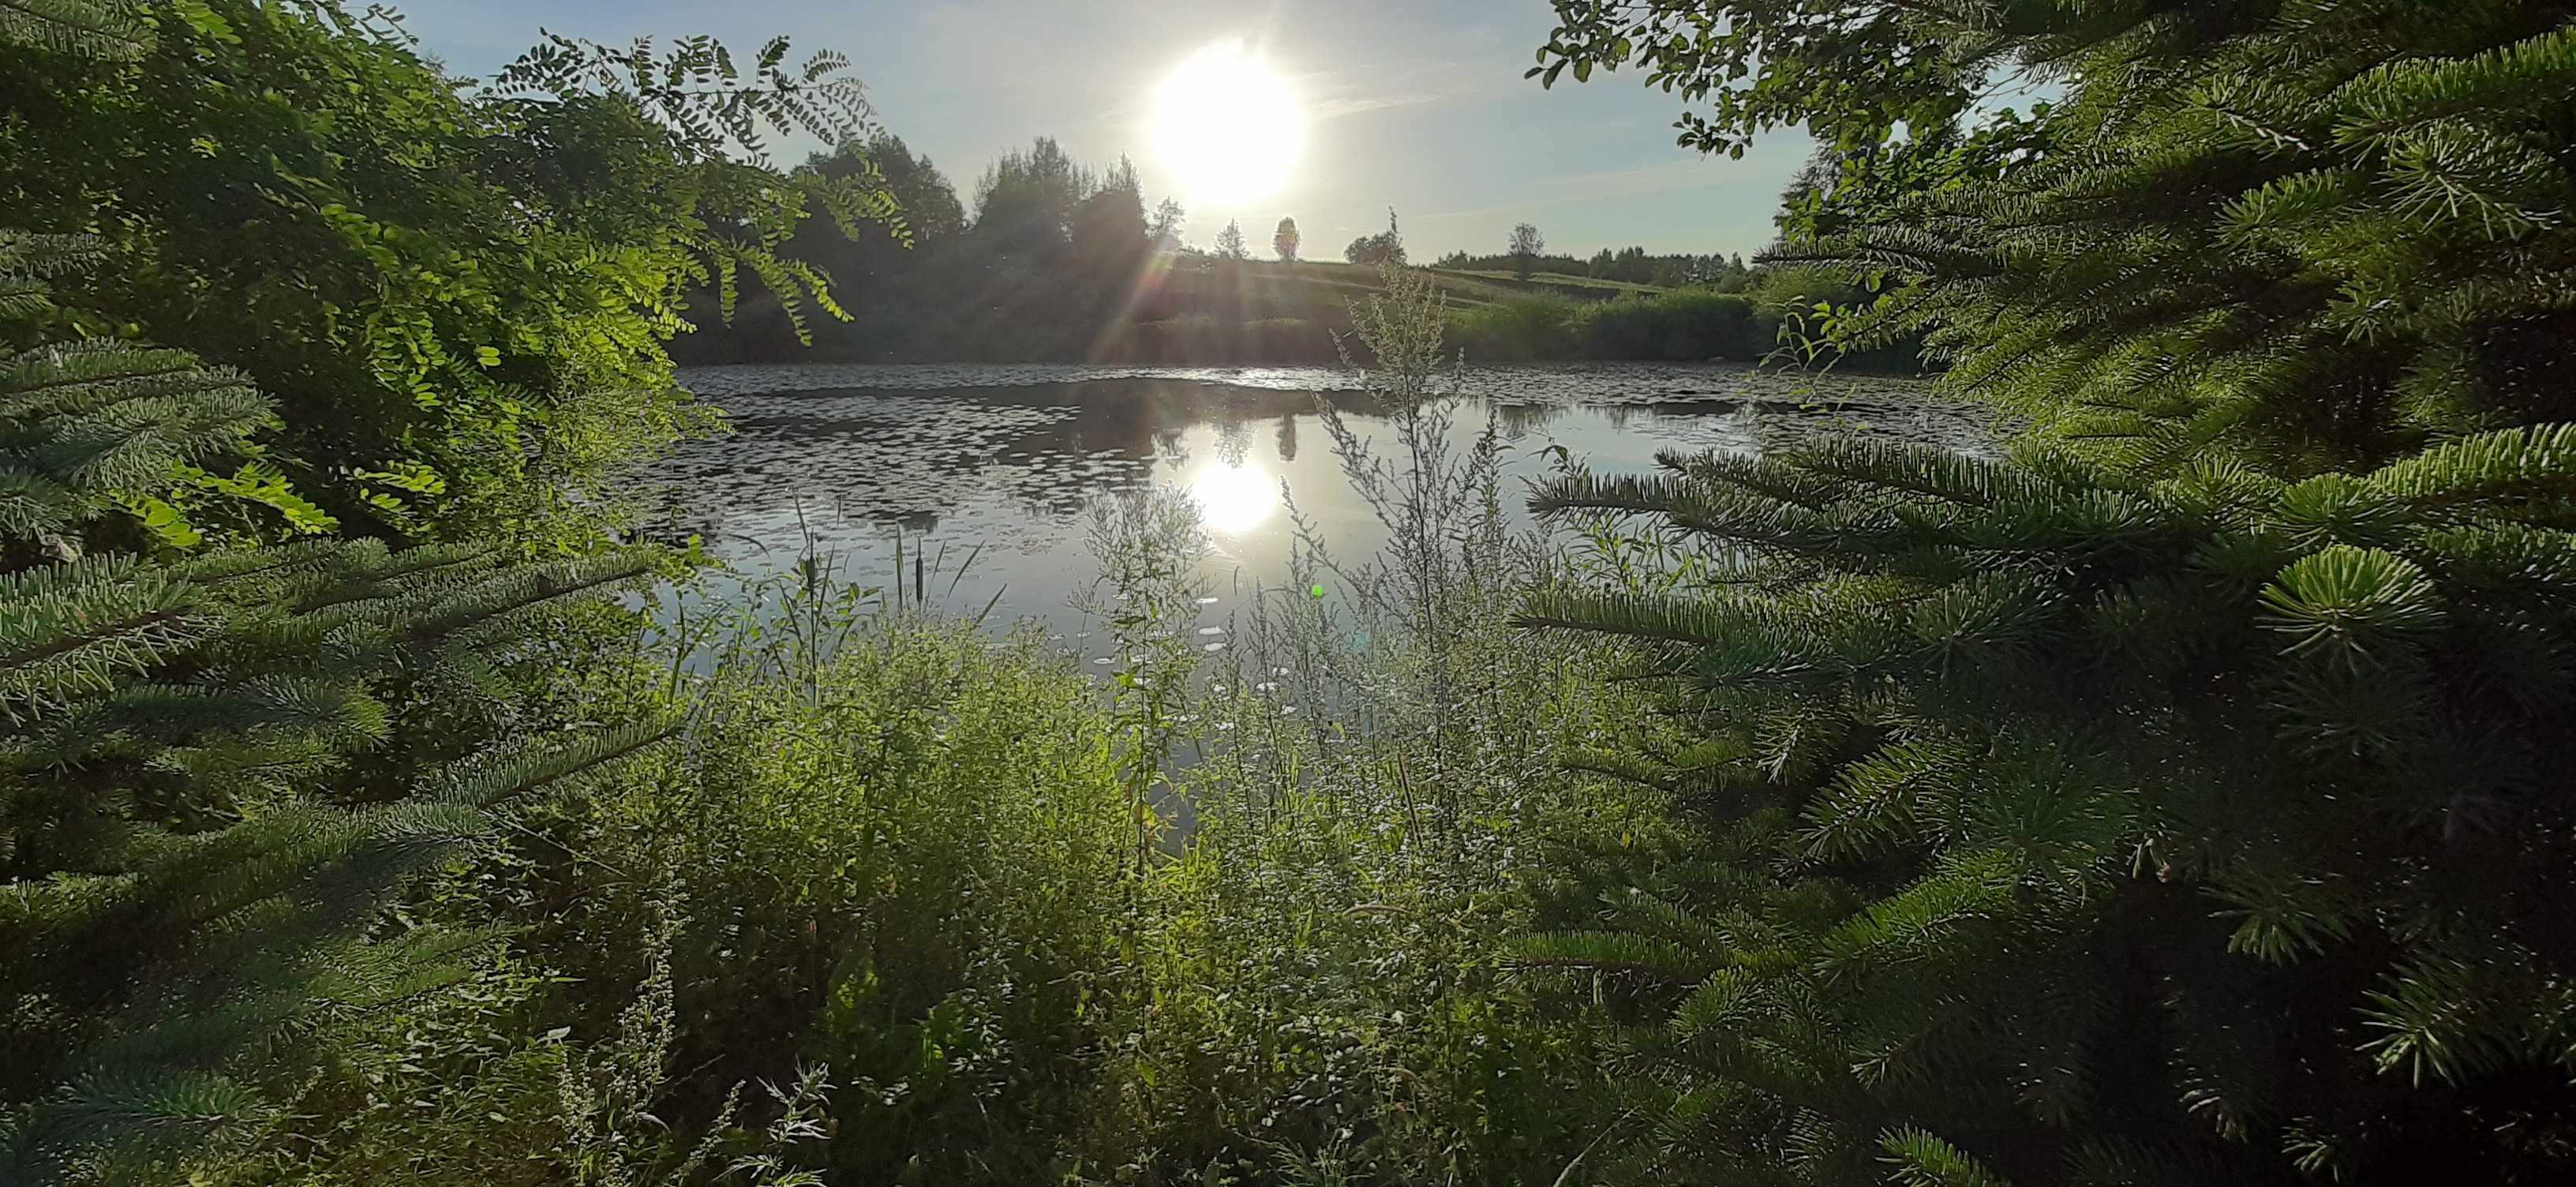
1347,105
1608,183
1335,94
1662,175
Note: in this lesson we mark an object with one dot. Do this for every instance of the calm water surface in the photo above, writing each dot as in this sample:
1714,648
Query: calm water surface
1000,463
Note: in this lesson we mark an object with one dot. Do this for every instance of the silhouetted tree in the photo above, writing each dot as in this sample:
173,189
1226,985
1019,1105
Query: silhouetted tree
1166,228
1108,227
1525,247
1385,247
1024,203
1229,242
1284,240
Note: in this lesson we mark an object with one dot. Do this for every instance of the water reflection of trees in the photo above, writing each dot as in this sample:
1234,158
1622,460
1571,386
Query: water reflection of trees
1518,420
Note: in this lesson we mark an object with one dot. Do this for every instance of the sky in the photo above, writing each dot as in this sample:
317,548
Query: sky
1415,104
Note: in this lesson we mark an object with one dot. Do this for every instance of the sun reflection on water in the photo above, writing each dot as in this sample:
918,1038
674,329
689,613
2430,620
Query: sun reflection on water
1233,499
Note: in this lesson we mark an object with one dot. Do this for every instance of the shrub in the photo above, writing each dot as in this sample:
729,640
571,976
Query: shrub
909,868
2206,827
1687,325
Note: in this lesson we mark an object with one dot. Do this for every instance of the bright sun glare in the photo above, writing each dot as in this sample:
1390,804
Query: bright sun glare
1233,499
1228,125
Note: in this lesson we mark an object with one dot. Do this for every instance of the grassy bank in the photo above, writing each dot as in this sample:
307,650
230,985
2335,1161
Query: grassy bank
1201,311
1272,313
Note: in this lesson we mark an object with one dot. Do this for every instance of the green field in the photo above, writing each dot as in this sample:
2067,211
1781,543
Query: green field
1582,286
1198,310
1301,283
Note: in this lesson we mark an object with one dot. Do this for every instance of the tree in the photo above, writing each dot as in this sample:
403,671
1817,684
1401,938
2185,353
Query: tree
456,295
195,860
1851,73
1109,232
2104,774
1525,248
1024,203
1284,240
1385,247
929,205
1168,222
2239,185
2110,795
1229,242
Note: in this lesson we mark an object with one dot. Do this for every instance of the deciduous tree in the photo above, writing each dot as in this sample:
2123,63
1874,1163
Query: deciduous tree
1230,244
1525,248
1167,225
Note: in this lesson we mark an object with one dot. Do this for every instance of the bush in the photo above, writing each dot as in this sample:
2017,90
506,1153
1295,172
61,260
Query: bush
911,868
1689,325
2206,824
1686,325
1524,327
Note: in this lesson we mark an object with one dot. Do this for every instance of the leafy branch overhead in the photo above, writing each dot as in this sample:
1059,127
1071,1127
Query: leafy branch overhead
2321,234
468,286
695,89
717,114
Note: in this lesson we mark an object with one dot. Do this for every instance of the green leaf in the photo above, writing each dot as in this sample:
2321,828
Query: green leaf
168,523
204,19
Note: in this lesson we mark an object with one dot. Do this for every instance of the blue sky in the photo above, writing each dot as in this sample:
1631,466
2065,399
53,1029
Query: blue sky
1418,104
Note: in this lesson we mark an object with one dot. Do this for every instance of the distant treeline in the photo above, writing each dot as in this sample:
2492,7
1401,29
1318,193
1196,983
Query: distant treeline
1630,265
1060,262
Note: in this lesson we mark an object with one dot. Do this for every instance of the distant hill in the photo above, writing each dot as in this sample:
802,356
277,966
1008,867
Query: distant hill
1316,288
1191,309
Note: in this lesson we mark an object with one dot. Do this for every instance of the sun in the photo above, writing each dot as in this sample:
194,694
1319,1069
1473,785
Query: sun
1228,125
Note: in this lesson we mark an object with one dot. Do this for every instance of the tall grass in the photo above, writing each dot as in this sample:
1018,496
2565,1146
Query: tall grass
1376,786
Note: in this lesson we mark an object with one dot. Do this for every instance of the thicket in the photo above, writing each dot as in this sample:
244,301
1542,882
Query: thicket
1785,313
2175,798
221,770
457,296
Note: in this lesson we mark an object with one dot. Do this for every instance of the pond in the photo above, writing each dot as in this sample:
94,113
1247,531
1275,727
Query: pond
981,476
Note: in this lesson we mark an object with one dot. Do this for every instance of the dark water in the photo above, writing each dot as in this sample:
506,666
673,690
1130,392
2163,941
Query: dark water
1000,463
